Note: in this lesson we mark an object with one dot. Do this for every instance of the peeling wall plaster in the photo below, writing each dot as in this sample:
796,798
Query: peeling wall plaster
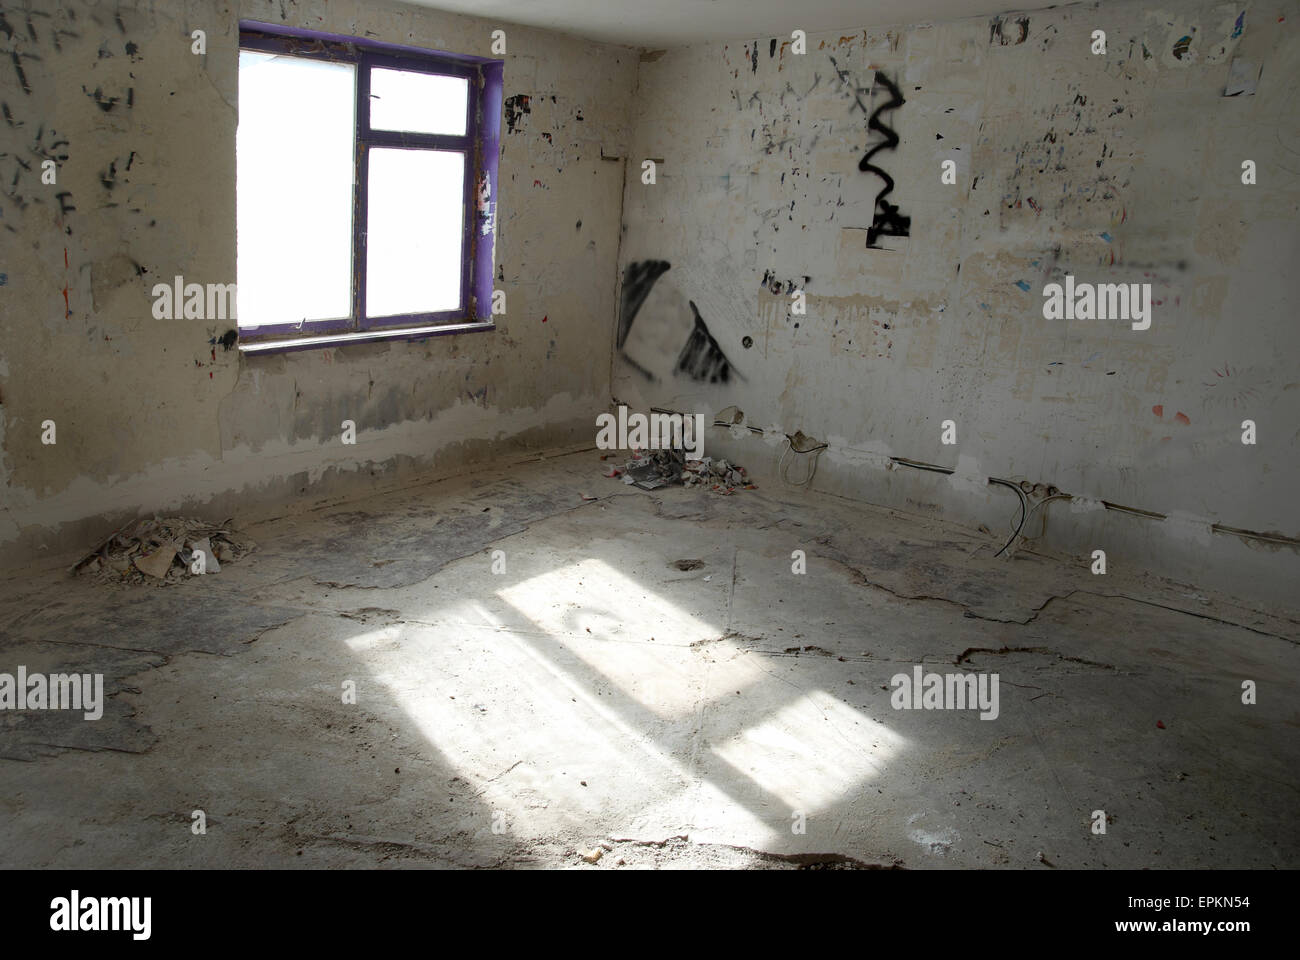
1116,168
153,413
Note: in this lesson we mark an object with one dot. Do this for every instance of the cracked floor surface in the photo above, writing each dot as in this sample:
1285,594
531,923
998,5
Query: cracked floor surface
595,696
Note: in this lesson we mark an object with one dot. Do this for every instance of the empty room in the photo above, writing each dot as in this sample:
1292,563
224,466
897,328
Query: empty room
848,435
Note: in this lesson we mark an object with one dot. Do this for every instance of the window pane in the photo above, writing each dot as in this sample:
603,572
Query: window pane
293,159
418,102
414,231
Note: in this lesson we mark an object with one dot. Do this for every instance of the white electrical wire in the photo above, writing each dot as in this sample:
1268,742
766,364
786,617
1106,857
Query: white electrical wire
784,469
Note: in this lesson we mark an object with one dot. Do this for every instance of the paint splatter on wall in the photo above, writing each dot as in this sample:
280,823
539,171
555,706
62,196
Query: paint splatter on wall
516,108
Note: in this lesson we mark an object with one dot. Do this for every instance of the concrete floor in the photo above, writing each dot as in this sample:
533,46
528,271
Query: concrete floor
594,693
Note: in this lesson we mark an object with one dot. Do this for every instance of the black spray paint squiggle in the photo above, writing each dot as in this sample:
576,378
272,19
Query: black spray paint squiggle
887,221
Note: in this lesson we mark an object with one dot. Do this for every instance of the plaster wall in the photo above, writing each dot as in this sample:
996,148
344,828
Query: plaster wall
1117,168
156,415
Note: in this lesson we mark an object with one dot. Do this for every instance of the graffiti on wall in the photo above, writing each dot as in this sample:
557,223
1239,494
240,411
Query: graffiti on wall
887,221
638,279
700,358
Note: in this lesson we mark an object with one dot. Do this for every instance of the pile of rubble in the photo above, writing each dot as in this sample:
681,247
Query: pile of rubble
662,468
163,550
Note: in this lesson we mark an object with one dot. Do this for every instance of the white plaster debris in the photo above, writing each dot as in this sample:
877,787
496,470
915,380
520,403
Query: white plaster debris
1085,505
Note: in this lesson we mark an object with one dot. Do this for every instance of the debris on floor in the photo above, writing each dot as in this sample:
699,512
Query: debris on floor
164,550
661,468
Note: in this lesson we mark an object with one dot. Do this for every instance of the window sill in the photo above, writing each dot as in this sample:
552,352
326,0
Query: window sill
366,336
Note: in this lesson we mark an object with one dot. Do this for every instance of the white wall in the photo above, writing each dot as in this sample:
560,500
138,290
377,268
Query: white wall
1124,167
152,415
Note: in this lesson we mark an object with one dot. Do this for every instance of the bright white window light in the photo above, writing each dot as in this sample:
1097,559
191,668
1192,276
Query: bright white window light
293,165
414,231
812,753
418,102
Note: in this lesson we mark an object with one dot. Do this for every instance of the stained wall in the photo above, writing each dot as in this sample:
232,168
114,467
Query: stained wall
1122,167
158,415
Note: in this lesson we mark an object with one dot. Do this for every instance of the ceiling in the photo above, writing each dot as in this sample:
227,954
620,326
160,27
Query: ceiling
666,23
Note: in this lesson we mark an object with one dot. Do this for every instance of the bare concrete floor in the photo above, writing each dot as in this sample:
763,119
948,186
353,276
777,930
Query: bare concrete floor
597,693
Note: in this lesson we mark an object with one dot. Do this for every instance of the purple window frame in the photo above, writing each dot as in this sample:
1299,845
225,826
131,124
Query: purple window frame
480,143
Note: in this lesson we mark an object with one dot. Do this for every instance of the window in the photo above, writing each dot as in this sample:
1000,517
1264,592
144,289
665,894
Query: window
365,181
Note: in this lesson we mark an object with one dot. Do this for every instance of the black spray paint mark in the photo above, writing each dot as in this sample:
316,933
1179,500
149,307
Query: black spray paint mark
771,48
887,222
228,340
773,283
104,103
18,69
753,58
516,107
638,280
842,80
64,33
702,358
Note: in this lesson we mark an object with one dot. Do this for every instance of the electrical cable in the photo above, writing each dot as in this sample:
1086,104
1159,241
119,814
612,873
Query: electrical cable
785,469
1024,510
726,423
1055,496
922,466
1118,508
820,446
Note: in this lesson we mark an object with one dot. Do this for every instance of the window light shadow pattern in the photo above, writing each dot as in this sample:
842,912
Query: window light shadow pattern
667,733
